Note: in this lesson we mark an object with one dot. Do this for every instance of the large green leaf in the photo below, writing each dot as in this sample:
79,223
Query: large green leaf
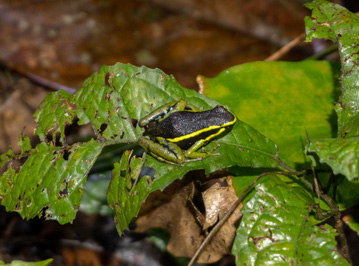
273,229
281,100
111,101
334,22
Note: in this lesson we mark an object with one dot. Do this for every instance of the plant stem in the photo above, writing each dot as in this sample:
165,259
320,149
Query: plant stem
335,212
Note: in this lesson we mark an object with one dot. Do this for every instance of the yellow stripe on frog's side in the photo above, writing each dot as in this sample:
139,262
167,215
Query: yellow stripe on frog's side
188,136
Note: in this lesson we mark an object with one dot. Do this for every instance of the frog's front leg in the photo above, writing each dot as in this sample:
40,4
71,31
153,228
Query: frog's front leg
163,151
192,151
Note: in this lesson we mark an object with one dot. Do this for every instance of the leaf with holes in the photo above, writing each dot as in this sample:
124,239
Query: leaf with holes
127,190
273,229
50,182
331,21
334,22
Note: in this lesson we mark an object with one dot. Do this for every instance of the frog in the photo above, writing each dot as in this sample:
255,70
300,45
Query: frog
175,131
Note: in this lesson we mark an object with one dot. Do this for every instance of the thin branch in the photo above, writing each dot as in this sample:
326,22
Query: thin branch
316,185
49,84
286,48
231,210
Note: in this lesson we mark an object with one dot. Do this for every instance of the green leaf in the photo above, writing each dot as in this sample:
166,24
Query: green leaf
342,155
334,22
24,143
281,100
54,113
127,190
7,157
49,183
351,128
24,263
273,229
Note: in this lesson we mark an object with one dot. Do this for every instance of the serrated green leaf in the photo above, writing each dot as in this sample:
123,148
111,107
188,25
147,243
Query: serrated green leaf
25,144
342,155
282,100
49,183
112,101
273,229
54,112
127,190
334,22
6,157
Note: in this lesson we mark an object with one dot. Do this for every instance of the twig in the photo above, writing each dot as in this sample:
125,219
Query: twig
47,83
52,85
316,185
231,210
286,48
334,211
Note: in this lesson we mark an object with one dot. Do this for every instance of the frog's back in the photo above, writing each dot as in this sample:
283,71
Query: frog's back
186,127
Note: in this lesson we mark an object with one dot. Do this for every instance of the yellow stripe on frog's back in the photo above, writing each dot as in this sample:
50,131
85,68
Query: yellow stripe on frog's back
196,133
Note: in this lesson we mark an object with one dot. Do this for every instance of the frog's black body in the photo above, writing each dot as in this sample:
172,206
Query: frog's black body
175,131
184,128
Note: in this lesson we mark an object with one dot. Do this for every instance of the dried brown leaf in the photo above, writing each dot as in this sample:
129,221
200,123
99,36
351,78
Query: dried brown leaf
176,215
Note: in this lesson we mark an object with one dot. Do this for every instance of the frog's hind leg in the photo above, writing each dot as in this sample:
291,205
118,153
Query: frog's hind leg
192,151
193,108
163,151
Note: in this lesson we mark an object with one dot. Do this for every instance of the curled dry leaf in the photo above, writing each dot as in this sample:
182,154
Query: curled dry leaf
217,201
176,215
